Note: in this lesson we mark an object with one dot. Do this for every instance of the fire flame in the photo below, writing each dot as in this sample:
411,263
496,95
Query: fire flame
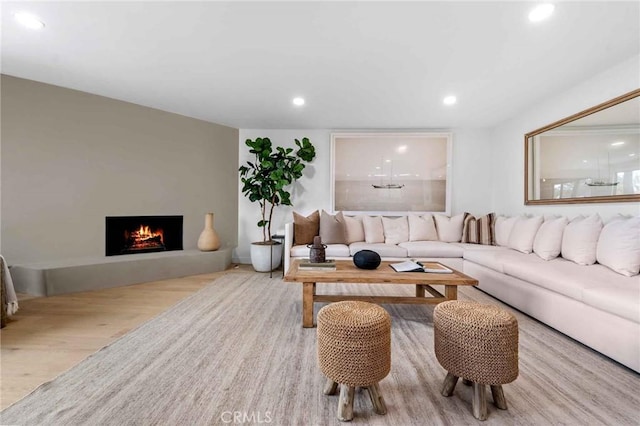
144,238
144,233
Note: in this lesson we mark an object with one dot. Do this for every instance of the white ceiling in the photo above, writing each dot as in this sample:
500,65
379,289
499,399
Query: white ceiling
357,64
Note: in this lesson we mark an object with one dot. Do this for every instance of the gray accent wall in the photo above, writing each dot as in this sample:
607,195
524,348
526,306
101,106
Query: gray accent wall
70,158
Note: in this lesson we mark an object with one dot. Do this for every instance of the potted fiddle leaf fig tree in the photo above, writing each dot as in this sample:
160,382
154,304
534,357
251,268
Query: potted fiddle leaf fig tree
266,181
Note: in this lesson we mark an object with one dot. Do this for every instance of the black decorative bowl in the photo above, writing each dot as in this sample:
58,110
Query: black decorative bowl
366,259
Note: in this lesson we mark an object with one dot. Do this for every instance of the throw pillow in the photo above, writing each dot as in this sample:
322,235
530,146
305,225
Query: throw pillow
353,229
524,232
373,230
479,230
503,227
332,228
396,230
619,246
422,228
305,228
580,239
548,241
449,228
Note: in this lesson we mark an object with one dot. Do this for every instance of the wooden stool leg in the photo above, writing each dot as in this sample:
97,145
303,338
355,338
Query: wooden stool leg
467,382
479,402
377,400
498,397
330,387
345,405
449,384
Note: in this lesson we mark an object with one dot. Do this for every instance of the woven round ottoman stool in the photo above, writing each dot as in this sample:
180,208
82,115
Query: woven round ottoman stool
480,344
354,350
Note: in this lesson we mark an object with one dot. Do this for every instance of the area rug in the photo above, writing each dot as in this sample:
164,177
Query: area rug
235,353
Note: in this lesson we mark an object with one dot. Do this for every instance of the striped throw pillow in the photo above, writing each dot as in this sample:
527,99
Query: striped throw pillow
479,230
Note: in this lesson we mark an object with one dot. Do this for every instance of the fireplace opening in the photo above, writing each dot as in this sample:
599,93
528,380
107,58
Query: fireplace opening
142,234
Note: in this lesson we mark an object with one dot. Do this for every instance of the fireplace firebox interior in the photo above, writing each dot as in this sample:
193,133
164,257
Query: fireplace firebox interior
142,234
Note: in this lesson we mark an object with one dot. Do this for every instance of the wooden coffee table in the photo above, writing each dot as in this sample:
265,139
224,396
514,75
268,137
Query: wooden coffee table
346,272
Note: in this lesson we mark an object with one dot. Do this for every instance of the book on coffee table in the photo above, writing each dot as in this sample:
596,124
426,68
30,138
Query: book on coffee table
430,267
328,265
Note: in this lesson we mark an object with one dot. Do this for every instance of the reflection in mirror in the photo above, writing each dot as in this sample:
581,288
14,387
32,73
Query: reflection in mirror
593,156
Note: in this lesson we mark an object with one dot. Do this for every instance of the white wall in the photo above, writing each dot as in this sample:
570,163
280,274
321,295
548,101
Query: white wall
507,141
470,187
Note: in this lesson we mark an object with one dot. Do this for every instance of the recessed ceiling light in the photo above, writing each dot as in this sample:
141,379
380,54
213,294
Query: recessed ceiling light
28,20
617,143
450,100
541,12
298,101
632,154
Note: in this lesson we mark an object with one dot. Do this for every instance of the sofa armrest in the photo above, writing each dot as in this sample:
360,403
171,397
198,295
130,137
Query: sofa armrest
288,243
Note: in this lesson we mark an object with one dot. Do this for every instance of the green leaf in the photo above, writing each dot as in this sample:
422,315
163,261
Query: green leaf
265,180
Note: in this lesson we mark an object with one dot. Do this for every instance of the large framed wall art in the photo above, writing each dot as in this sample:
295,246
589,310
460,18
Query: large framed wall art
391,173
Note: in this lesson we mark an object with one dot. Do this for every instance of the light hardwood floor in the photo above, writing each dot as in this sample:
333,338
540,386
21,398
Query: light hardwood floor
49,335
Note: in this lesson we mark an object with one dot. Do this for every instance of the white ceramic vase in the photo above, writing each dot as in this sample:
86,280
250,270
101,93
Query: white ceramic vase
209,240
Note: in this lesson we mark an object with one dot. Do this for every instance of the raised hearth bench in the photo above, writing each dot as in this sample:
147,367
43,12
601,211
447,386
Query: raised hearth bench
74,275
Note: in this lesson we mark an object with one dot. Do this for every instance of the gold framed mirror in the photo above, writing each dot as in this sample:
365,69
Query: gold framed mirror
590,157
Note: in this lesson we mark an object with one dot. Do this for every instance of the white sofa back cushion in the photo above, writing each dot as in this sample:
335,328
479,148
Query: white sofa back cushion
619,246
580,239
373,230
422,228
548,241
396,230
524,232
353,229
504,225
449,228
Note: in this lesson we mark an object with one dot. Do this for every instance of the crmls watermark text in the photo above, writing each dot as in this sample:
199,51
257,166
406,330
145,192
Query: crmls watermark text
240,417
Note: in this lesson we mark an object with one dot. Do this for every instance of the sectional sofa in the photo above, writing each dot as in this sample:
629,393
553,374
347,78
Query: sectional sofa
578,276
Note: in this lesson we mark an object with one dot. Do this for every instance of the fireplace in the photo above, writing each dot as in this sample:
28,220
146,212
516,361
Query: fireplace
142,234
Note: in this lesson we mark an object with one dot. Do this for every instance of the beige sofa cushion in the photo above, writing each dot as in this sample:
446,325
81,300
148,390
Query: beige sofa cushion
566,277
548,241
332,228
492,259
580,239
432,249
524,232
449,228
619,246
384,250
422,228
373,230
618,300
503,228
396,230
353,229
